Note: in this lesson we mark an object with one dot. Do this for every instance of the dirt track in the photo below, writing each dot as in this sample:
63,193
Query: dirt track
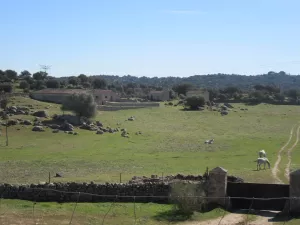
275,169
287,169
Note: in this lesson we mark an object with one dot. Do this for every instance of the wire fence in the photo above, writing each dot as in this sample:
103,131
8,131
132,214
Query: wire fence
25,212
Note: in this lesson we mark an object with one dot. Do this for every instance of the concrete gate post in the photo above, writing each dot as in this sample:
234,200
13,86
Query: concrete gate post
295,192
217,186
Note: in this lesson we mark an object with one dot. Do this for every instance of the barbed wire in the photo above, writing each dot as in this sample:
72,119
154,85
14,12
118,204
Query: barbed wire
162,196
135,200
74,209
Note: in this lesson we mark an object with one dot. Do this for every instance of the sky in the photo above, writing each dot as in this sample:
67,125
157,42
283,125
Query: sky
150,37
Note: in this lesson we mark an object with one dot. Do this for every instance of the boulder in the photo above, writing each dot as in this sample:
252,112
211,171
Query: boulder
131,118
67,126
99,124
55,131
223,107
42,113
12,122
38,128
54,126
58,175
99,132
26,122
74,120
228,105
223,113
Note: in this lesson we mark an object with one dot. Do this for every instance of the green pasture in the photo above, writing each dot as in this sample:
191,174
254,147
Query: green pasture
172,141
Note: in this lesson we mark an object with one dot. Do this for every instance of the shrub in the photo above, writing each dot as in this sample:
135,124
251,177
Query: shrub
182,195
52,83
24,85
6,87
81,105
194,102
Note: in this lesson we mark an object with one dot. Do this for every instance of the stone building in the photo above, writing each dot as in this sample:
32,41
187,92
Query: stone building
58,95
159,95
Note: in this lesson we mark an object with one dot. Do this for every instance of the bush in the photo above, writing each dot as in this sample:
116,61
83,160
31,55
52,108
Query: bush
6,87
182,195
81,105
194,102
52,83
24,84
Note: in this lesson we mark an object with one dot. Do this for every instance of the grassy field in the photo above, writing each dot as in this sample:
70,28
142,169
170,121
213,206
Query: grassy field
171,143
25,212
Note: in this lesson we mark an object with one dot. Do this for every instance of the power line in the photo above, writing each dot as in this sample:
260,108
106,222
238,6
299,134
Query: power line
45,68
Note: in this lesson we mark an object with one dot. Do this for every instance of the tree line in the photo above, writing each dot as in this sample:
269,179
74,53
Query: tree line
270,87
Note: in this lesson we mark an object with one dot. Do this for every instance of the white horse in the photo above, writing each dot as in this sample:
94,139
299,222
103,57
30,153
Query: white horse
260,161
262,153
209,141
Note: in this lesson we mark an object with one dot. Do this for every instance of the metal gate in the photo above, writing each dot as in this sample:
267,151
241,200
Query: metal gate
257,190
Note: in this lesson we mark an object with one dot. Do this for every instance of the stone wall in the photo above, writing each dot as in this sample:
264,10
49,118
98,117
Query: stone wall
114,106
55,98
133,104
59,192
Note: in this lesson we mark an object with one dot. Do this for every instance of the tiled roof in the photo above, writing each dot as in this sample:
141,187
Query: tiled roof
60,91
69,91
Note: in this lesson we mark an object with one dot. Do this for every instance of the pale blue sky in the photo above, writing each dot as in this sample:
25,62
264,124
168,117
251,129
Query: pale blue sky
150,37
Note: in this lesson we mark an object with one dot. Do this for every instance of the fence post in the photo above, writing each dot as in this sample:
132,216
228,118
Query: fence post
295,192
120,178
49,178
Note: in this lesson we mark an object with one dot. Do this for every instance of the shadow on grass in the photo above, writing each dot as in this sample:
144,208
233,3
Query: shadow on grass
173,215
272,216
252,103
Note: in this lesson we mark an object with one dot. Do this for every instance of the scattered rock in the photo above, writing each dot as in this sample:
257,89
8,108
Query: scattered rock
58,175
125,134
228,105
223,113
74,120
26,122
55,131
223,107
99,132
38,128
90,127
67,126
99,124
131,118
42,113
54,126
12,122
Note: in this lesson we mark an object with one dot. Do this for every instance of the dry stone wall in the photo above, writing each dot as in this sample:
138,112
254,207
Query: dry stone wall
69,192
